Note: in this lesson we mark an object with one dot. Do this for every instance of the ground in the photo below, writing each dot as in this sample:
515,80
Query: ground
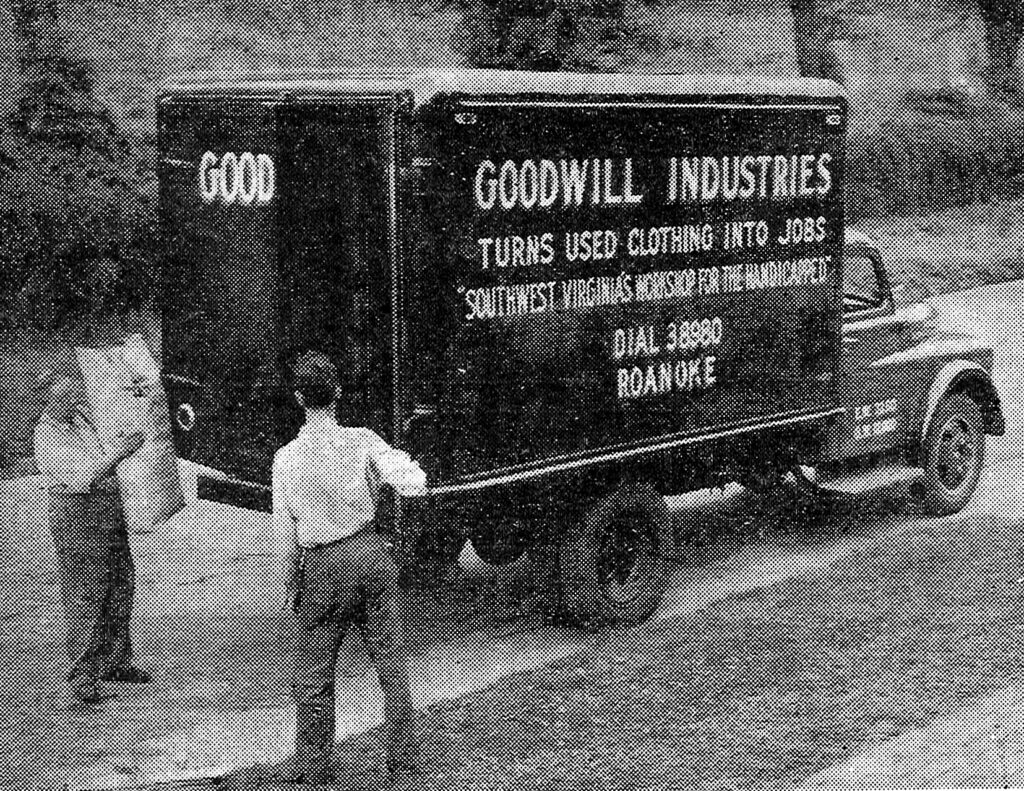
793,641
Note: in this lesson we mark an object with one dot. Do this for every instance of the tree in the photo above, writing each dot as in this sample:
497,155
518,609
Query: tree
76,232
520,34
55,99
815,23
1004,27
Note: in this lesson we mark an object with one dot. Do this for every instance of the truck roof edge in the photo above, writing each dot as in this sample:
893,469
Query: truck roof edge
427,85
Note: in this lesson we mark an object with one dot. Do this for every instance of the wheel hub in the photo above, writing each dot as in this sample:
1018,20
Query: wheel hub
625,551
955,453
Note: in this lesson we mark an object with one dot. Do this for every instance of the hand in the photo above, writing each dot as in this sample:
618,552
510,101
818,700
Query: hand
142,387
412,488
131,443
413,483
291,594
292,580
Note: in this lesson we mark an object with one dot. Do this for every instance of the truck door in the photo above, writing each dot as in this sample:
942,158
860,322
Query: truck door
279,225
219,297
336,249
873,331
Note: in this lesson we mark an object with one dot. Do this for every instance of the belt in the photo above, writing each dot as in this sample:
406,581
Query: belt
314,547
106,487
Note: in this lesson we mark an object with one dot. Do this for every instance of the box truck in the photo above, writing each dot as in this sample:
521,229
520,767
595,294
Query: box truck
565,295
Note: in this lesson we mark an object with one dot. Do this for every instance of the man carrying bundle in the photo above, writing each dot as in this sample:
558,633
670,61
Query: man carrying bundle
97,575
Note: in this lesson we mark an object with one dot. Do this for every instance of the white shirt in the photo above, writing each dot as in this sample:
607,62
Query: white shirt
327,480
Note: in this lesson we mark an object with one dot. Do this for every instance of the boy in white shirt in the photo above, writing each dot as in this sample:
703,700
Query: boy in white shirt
326,485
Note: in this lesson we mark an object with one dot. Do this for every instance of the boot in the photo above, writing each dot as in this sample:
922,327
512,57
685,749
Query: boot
314,743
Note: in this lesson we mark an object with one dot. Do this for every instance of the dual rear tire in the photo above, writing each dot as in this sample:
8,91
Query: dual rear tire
614,565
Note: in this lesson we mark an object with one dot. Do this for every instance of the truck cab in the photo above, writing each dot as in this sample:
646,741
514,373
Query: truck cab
916,398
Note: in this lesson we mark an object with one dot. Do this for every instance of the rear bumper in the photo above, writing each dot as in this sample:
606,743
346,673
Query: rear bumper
220,488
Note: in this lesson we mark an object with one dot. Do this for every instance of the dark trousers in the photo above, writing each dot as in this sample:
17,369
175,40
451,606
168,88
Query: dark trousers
97,581
353,582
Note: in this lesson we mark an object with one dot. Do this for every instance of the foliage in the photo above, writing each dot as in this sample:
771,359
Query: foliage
518,35
918,162
815,23
546,35
75,237
1004,27
76,228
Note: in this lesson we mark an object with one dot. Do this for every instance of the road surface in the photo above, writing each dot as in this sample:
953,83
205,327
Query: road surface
208,619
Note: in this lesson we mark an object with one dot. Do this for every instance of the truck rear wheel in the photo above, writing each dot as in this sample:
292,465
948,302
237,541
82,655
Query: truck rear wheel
954,455
500,542
613,566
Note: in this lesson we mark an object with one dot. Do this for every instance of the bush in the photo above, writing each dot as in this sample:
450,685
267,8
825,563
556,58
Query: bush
75,237
919,162
513,34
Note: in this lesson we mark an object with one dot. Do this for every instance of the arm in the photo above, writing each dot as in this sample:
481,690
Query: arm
396,468
123,447
285,536
75,468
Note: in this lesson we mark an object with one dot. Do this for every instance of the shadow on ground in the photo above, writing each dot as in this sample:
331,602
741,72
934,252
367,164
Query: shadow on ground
712,528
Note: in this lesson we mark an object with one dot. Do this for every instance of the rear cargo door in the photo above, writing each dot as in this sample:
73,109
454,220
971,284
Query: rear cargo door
219,294
338,227
279,227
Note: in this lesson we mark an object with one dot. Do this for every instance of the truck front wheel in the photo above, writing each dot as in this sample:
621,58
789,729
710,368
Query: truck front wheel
614,565
954,455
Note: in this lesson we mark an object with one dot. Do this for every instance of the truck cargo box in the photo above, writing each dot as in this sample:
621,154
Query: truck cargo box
515,272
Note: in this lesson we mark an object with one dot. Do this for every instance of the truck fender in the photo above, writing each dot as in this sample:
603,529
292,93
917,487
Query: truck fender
976,382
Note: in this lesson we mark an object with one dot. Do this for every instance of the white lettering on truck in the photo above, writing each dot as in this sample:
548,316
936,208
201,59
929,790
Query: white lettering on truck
730,178
244,179
540,183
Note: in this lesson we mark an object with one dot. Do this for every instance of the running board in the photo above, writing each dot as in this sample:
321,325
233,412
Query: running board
854,482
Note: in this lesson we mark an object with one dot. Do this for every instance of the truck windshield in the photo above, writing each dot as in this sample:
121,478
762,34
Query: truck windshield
861,290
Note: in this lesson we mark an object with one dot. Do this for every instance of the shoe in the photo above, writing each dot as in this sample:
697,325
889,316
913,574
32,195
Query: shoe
90,693
403,766
321,777
405,762
129,674
295,774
